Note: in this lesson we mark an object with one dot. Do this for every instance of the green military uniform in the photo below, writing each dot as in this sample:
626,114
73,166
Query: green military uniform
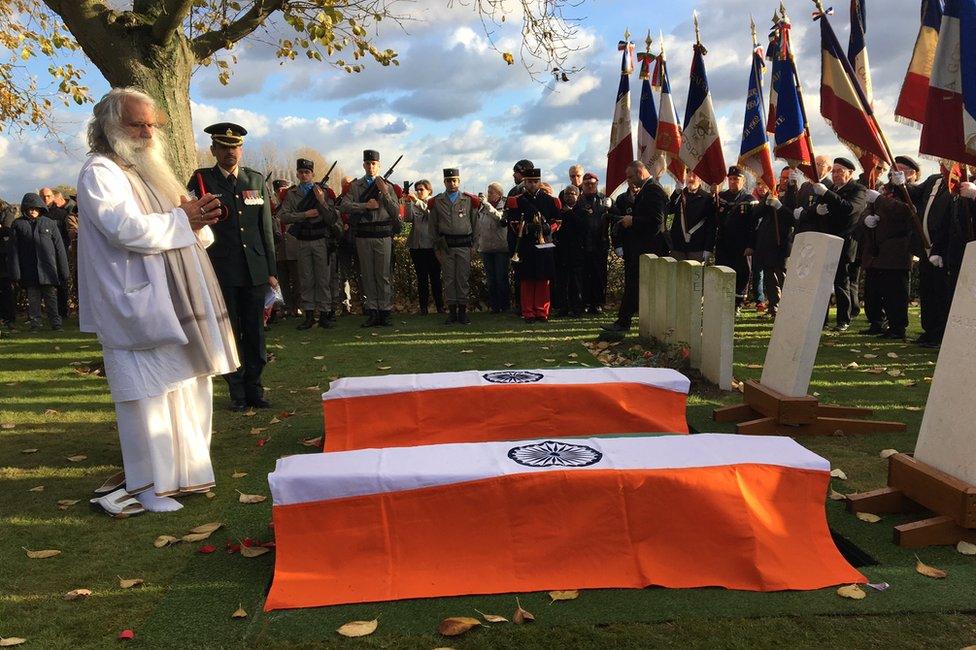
243,258
453,218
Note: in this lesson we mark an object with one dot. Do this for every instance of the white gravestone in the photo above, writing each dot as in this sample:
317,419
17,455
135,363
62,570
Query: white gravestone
670,281
688,320
718,325
809,282
645,289
947,437
663,297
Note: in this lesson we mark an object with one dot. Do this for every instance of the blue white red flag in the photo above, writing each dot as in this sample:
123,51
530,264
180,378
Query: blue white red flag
668,138
647,119
857,51
754,154
943,130
967,54
792,135
701,146
621,151
914,94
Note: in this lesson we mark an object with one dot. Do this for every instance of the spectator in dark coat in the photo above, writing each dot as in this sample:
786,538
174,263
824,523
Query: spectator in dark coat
770,245
8,310
38,260
58,212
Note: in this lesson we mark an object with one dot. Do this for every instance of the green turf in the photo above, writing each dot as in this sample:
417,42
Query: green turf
188,597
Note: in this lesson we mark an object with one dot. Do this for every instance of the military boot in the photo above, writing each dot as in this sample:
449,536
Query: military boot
324,321
453,316
372,320
462,315
385,319
309,320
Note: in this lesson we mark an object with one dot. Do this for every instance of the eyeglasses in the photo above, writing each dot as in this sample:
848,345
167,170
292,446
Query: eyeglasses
141,125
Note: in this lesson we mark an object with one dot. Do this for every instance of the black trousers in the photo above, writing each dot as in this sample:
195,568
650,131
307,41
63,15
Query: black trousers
428,271
629,301
886,298
567,285
8,302
245,306
594,278
773,277
935,296
843,292
740,264
64,290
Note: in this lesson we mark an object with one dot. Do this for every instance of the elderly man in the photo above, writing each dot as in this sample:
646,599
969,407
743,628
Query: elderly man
149,292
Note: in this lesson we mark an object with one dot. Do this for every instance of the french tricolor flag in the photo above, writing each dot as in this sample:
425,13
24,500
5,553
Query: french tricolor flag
647,119
967,51
943,130
701,147
668,139
914,94
621,151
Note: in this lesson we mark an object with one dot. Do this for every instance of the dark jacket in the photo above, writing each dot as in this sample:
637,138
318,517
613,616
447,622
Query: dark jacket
736,225
649,232
958,230
934,205
594,214
804,197
700,220
572,235
844,208
243,253
6,243
37,255
889,244
622,206
770,251
534,263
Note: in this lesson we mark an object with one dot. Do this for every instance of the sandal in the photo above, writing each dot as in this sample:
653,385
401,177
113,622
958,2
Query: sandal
118,504
111,484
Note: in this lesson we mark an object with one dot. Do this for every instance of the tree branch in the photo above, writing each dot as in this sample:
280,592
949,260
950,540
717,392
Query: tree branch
174,11
205,45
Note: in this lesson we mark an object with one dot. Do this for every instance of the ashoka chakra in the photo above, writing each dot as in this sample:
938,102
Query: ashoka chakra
554,454
512,377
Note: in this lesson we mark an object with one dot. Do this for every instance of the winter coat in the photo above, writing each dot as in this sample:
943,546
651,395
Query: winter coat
37,255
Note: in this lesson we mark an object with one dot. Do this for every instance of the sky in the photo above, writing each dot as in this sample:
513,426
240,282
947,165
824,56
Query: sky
454,102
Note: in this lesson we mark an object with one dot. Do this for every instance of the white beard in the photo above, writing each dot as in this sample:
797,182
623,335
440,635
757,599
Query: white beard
147,159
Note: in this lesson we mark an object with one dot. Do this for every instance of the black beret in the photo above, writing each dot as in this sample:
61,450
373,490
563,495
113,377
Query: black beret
532,174
452,172
369,155
844,162
523,166
735,170
227,133
908,161
305,163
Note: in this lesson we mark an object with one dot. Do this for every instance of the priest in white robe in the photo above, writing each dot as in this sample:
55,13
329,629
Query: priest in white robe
148,290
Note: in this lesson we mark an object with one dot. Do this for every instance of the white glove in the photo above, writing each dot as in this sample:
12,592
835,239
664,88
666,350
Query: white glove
796,177
705,257
871,221
898,178
967,190
773,202
936,261
619,252
872,196
797,212
679,185
822,209
819,189
607,202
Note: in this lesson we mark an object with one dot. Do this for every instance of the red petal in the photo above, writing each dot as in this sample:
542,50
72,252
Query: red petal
206,549
262,441
126,635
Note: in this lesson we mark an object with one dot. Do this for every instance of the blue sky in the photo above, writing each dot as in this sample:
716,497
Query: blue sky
453,102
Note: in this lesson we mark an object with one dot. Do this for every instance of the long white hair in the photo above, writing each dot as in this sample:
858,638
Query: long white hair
147,158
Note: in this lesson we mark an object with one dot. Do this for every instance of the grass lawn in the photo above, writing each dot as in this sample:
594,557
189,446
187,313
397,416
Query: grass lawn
188,597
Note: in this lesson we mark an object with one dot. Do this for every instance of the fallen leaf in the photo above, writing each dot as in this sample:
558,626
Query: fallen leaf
36,488
509,365
358,628
894,372
250,412
238,475
274,420
869,517
126,635
457,625
77,458
7,642
851,591
913,408
521,615
165,540
207,549
78,594
875,371
836,496
572,355
384,367
838,473
870,356
312,442
508,58
852,365
64,504
7,425
879,586
885,453
927,570
892,355
492,618
467,351
195,537
210,494
239,613
253,551
129,583
28,451
256,430
966,548
207,528
318,357
41,555
549,360
251,498
571,594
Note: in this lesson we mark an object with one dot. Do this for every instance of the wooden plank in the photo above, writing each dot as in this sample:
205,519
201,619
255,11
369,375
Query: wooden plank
761,427
830,411
845,426
936,490
773,404
735,413
935,531
883,501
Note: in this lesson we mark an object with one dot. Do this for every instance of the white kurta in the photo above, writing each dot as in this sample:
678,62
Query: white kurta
163,403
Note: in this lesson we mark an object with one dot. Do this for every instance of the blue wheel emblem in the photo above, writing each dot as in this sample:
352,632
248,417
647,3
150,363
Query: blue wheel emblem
554,454
512,377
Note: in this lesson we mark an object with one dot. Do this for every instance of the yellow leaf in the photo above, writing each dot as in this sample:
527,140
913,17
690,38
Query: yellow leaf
256,430
508,58
195,537
457,625
42,555
358,628
521,615
838,473
467,351
549,360
885,453
11,641
492,618
51,412
384,367
7,425
250,498
78,594
129,583
77,458
36,488
312,442
250,412
165,540
238,475
207,528
870,356
239,613
851,591
966,548
253,551
64,504
868,517
892,355
894,372
210,494
927,570
852,365
572,594
836,496
28,451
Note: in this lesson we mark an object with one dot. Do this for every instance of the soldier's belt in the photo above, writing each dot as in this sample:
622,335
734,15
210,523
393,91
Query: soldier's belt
458,241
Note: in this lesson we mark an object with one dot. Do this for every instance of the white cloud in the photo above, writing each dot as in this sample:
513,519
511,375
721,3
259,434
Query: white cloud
569,93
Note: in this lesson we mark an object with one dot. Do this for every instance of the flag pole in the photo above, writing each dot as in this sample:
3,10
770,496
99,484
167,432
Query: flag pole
796,82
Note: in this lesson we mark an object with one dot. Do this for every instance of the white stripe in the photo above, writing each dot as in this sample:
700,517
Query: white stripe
318,477
946,73
694,143
383,385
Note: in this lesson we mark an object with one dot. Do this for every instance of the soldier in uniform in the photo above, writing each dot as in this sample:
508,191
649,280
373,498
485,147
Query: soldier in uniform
593,206
453,218
286,252
533,213
242,254
693,227
518,170
736,225
313,228
374,215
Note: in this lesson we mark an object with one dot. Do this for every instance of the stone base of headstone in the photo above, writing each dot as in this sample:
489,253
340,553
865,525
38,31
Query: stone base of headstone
645,301
765,411
916,486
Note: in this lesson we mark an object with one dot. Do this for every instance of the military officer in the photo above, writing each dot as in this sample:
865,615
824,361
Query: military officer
736,223
374,215
314,224
242,254
693,227
453,216
533,213
593,206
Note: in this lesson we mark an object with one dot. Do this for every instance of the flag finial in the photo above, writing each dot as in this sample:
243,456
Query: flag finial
694,17
648,41
627,34
752,26
661,36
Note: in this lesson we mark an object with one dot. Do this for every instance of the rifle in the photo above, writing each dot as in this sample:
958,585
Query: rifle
309,200
373,191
